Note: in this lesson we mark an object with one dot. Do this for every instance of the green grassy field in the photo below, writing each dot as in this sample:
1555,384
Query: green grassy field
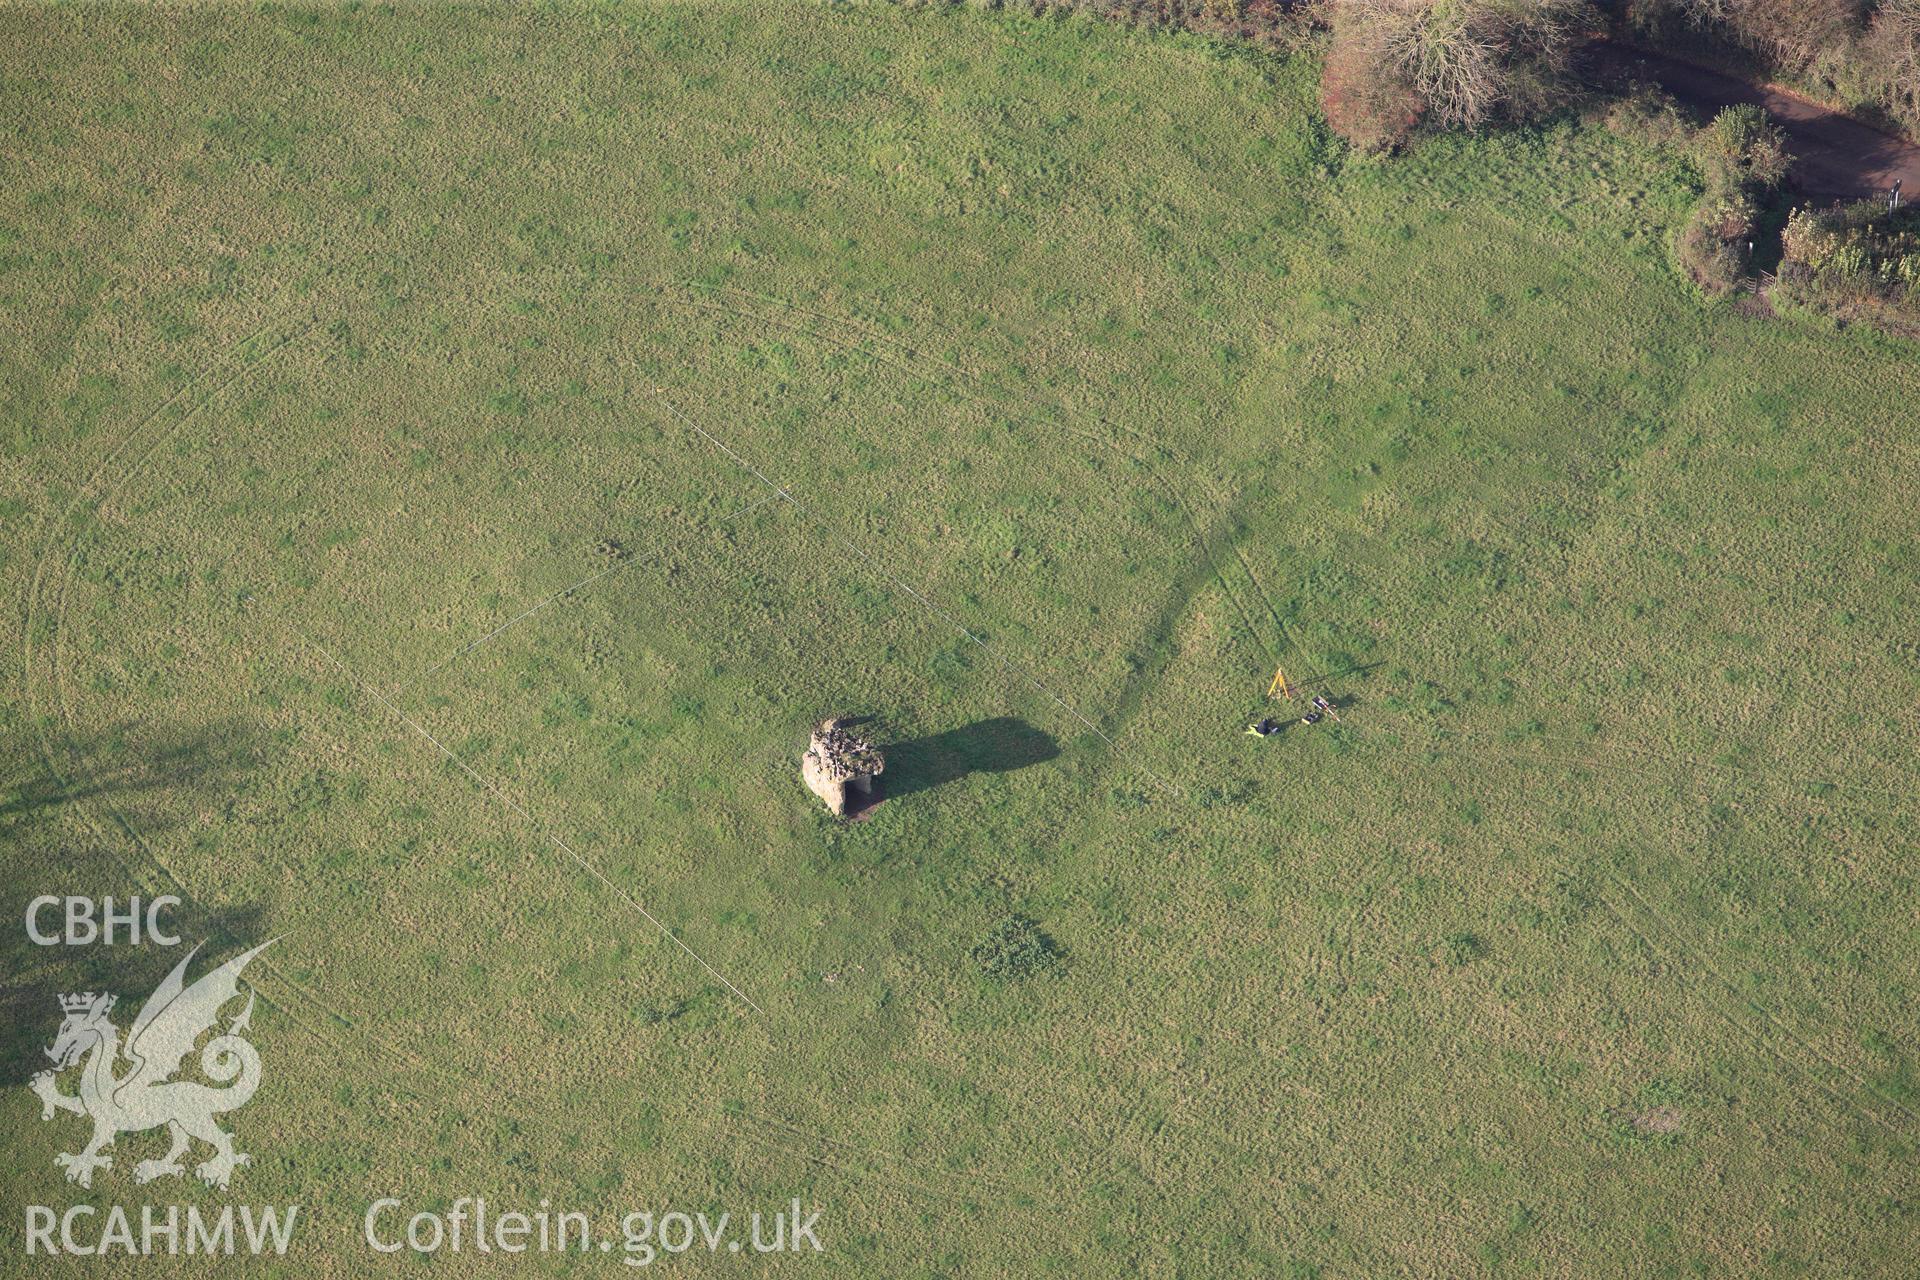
330,342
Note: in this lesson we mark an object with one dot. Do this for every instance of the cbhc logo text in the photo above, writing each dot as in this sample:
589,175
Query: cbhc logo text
83,922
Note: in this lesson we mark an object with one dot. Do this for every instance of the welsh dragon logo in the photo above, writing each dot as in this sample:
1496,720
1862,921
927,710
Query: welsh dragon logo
143,1095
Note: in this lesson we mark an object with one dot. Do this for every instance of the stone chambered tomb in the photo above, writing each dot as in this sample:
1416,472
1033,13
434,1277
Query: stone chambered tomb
839,765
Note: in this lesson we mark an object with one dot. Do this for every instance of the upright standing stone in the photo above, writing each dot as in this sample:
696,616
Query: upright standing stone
838,762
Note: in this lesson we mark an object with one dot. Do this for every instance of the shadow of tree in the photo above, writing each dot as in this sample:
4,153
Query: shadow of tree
40,854
38,976
1000,745
204,757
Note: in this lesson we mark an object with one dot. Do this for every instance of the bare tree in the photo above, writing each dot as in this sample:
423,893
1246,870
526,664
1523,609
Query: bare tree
1449,57
1463,61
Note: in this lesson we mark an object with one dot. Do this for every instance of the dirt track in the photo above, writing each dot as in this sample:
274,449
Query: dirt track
1835,157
